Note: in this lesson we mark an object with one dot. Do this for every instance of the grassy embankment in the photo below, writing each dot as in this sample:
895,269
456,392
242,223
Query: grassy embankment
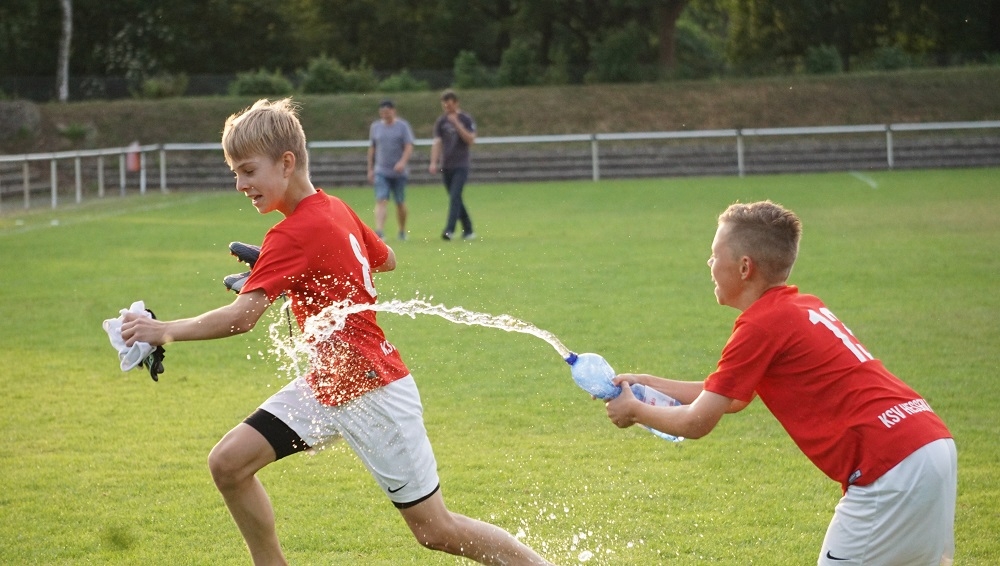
909,96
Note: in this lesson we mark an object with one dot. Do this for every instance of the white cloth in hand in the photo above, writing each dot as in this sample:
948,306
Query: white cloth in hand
133,355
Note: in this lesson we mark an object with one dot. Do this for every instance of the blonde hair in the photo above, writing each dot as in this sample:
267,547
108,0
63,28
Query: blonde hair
267,128
766,232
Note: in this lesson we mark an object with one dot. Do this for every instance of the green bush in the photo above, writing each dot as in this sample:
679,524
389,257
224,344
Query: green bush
362,78
20,120
325,75
699,54
558,71
619,57
76,133
164,86
822,60
890,58
470,73
260,83
402,81
518,66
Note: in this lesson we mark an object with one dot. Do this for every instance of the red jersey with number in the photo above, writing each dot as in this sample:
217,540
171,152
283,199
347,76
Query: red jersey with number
845,411
319,255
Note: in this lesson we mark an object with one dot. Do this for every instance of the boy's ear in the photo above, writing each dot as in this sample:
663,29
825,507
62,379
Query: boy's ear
288,163
746,267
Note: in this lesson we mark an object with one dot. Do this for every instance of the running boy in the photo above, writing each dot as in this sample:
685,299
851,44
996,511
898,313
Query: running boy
358,387
858,423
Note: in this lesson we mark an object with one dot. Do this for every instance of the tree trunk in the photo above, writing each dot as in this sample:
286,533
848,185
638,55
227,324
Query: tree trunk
668,12
62,73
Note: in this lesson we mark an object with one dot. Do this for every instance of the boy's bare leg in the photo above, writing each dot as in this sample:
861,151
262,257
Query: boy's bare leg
439,529
234,463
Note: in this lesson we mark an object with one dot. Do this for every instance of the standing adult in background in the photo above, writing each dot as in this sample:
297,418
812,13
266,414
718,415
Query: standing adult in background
454,133
388,155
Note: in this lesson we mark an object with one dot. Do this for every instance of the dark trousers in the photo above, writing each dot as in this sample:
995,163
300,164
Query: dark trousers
454,182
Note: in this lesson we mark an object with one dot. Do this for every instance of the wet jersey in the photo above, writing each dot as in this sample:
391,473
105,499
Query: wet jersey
319,255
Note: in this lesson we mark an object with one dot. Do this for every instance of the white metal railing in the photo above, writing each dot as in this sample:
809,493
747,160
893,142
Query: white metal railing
133,158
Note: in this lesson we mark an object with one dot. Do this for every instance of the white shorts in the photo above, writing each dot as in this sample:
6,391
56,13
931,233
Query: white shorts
906,517
384,427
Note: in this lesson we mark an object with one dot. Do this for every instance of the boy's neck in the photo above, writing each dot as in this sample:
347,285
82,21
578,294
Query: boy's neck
752,294
299,188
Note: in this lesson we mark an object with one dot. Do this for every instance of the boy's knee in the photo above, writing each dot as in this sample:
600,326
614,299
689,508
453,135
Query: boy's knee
439,534
439,539
223,467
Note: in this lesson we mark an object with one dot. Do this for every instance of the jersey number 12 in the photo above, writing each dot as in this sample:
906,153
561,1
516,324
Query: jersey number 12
826,318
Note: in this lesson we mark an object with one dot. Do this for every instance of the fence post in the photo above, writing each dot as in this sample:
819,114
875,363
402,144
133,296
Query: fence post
121,172
27,184
595,162
100,176
142,172
163,169
888,146
78,178
54,173
739,151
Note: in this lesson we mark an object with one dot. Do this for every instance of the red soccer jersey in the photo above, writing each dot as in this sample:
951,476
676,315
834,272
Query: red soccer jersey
322,254
841,406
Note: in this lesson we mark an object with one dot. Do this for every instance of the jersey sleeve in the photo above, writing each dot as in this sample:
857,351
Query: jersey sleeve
281,259
744,362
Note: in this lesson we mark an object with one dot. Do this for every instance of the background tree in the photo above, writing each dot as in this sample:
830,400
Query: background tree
667,12
556,40
65,40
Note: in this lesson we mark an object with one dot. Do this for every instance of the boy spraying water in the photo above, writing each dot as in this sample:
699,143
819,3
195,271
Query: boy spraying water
856,421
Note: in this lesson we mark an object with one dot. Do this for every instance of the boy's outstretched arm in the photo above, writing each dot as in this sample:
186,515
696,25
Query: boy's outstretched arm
235,318
694,420
684,391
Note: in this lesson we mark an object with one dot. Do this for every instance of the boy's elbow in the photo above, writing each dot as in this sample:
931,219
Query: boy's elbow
697,432
388,265
242,327
699,426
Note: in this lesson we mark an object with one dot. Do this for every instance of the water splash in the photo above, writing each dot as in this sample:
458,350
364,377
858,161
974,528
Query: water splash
333,318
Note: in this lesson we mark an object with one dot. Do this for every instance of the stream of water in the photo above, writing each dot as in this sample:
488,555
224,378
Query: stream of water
333,318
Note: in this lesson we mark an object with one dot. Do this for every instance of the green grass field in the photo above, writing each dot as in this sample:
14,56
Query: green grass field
103,467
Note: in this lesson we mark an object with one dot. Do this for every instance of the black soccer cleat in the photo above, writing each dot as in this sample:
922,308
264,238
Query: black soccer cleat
235,281
247,253
154,361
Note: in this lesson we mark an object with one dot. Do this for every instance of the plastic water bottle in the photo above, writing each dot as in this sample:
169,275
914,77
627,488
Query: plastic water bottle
594,375
650,396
